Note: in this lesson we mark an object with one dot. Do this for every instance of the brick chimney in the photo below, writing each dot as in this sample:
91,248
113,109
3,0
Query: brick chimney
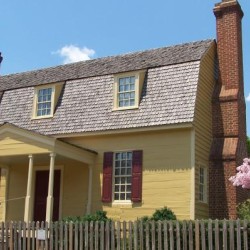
229,115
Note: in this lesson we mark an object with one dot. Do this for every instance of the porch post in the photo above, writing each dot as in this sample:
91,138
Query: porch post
27,208
49,208
90,189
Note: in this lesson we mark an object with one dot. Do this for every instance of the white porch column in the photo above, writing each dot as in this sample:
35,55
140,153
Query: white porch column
27,208
49,208
88,210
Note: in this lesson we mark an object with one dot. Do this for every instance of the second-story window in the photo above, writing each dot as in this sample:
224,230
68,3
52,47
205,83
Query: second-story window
44,101
126,92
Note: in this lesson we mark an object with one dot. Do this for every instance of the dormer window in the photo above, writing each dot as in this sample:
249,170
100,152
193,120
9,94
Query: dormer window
45,100
127,90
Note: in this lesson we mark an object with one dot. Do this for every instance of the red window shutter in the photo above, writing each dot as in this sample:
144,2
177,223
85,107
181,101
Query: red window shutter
107,177
136,195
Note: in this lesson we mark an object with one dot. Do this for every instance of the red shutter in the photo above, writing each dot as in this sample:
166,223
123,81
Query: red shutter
107,177
136,195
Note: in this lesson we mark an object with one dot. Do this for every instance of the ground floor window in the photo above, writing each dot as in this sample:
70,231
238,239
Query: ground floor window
122,176
203,184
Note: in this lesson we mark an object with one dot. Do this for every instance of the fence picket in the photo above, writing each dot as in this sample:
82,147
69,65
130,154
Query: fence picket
197,235
37,241
190,235
147,236
231,234
71,236
51,234
178,238
107,236
61,238
124,235
210,235
113,235
33,235
245,223
184,235
153,235
165,229
159,231
86,231
118,235
7,235
171,235
91,235
96,235
81,239
238,234
135,235
141,233
11,236
76,235
216,235
203,235
130,234
102,235
224,234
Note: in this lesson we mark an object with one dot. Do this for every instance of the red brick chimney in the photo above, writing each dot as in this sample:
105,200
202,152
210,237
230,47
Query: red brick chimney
229,116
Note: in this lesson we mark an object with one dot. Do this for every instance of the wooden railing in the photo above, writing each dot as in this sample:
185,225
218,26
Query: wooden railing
178,235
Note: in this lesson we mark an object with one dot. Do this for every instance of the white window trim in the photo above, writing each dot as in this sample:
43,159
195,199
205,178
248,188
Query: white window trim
56,91
205,190
139,79
34,115
120,202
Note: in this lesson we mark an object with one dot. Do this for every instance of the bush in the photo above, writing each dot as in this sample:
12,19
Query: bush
163,214
97,216
160,215
243,210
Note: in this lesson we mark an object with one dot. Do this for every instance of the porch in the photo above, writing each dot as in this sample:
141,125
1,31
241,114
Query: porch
39,174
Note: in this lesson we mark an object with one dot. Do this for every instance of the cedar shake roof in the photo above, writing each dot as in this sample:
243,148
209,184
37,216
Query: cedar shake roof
86,102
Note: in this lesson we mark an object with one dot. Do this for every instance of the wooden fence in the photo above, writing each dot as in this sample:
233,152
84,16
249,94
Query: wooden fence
126,235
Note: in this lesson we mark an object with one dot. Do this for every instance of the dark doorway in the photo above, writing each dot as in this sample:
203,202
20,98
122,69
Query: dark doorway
41,192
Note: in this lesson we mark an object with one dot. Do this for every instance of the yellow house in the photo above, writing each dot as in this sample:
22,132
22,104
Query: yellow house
127,134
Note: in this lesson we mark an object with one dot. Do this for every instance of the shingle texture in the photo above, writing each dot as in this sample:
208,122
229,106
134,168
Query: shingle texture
86,104
108,65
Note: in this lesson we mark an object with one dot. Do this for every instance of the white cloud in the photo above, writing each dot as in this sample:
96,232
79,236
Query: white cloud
72,53
248,98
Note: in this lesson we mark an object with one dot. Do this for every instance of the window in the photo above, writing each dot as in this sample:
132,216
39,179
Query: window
203,184
122,177
44,102
127,90
45,99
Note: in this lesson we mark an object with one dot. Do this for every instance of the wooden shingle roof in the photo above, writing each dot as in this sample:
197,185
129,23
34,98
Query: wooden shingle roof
86,102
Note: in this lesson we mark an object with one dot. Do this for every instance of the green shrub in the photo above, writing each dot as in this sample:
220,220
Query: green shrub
163,214
97,216
243,210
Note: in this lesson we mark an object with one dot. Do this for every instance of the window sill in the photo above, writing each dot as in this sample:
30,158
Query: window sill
122,204
41,117
125,108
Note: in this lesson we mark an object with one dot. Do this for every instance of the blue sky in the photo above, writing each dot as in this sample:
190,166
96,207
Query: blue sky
43,33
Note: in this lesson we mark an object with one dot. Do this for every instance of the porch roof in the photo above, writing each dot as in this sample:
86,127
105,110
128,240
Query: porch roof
16,141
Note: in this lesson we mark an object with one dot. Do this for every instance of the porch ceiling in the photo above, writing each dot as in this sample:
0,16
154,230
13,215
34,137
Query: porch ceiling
15,141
